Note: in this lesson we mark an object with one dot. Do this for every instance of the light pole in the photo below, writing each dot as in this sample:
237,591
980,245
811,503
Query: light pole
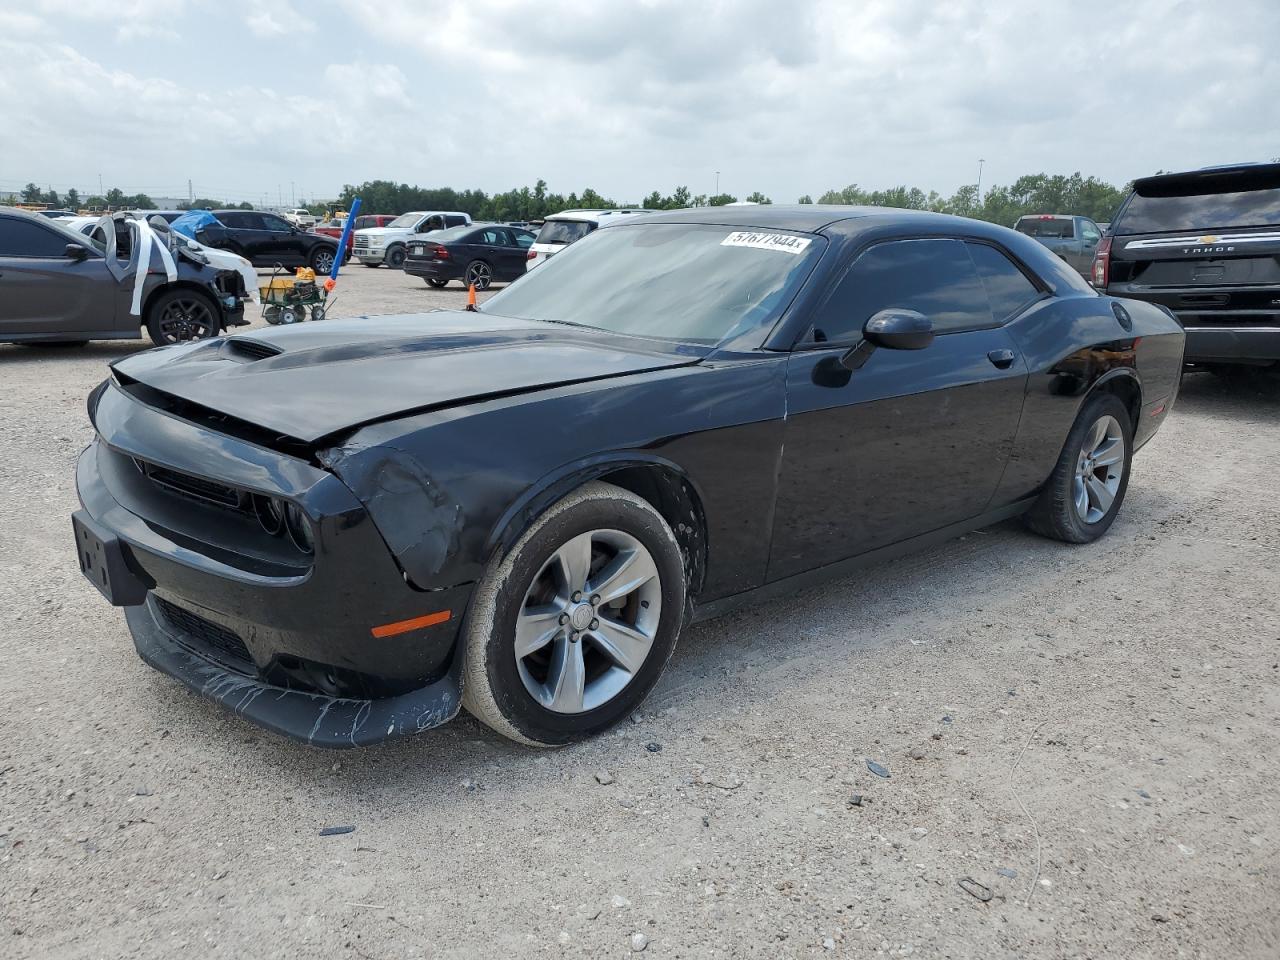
980,163
717,193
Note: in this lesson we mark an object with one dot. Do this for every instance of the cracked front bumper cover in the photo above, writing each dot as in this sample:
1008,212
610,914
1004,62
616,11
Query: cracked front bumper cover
313,718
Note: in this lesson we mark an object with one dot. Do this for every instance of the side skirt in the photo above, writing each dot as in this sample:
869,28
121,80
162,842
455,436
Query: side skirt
842,568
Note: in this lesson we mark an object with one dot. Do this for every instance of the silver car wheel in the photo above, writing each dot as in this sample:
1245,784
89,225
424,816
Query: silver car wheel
588,621
1099,469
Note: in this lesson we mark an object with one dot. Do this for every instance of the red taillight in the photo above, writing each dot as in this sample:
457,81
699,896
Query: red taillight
440,253
1102,263
531,255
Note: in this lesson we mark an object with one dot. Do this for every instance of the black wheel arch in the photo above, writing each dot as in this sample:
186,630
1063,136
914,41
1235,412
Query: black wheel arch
661,483
1125,384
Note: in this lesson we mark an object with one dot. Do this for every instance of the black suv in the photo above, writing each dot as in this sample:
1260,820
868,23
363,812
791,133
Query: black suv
265,239
1206,245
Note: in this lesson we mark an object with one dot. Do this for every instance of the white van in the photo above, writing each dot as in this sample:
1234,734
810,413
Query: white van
375,245
561,229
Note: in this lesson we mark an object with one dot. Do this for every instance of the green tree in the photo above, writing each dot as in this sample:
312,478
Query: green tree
72,199
31,194
805,199
50,197
720,199
758,197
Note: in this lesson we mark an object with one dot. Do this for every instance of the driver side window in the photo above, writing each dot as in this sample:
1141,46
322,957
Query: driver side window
276,224
934,277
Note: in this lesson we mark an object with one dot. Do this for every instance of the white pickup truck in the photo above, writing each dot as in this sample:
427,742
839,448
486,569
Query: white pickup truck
301,218
377,245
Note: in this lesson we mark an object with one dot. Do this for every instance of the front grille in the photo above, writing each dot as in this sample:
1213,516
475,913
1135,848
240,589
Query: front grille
206,633
210,491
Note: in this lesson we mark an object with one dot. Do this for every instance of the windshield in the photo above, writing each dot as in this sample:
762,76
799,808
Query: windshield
563,231
695,283
1061,227
1249,208
405,220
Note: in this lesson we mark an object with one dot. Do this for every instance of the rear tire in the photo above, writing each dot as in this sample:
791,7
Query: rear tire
1088,483
586,663
322,260
436,282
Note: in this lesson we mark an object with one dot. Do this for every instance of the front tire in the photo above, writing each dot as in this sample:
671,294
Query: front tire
479,273
180,316
1088,484
569,631
395,258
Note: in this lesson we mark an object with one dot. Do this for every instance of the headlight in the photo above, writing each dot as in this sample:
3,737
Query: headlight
299,528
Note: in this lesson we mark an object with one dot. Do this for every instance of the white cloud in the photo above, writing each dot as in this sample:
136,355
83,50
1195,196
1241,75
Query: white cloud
783,98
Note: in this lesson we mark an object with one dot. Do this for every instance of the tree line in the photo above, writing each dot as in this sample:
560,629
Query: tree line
1003,204
114,199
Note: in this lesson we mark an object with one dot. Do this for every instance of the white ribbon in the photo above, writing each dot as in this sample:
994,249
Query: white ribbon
146,240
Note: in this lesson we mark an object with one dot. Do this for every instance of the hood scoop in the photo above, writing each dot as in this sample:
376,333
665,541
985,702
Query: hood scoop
246,350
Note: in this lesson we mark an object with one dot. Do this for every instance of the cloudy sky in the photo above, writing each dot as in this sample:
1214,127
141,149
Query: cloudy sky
253,99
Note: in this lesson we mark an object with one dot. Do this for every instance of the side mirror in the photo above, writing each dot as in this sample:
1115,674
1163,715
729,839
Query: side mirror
899,330
892,329
75,252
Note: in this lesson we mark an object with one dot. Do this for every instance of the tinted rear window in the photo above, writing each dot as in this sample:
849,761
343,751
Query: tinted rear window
1206,211
563,231
1063,228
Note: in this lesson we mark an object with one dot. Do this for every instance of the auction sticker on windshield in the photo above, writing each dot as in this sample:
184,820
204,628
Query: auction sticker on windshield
766,241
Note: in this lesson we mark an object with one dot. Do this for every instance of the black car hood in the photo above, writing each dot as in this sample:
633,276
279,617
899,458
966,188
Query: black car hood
312,380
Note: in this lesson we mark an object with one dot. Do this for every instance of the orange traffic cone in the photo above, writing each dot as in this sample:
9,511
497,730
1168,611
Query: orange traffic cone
471,297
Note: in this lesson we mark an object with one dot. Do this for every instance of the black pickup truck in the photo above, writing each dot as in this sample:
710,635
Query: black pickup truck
1206,245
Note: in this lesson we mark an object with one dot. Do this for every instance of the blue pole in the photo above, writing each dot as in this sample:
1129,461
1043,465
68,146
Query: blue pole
342,241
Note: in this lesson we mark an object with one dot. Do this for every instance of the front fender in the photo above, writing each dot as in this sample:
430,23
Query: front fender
449,487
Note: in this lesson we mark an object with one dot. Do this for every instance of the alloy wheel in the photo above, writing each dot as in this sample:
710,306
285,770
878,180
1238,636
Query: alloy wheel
187,319
480,275
588,621
1099,469
324,262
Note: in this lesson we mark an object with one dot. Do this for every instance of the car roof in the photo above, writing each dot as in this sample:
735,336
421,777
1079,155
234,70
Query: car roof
1223,179
595,216
802,217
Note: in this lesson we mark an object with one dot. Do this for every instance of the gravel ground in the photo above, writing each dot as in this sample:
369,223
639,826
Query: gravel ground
1088,733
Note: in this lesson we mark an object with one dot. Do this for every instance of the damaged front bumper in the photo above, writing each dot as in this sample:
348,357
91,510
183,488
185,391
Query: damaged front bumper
331,647
313,718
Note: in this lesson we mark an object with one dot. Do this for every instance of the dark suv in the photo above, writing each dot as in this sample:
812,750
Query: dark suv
265,239
1206,245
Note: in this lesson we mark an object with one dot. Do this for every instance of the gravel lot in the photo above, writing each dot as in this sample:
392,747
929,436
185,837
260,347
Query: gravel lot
1089,733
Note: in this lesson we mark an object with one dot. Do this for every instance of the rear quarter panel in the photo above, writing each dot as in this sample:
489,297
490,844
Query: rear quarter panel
1073,346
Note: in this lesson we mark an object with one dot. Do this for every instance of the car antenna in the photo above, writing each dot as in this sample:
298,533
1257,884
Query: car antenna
471,298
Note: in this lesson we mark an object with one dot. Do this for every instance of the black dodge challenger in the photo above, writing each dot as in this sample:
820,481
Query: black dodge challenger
345,532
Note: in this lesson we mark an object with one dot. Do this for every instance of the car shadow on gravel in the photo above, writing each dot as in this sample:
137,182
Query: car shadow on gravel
107,351
1255,393
750,656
